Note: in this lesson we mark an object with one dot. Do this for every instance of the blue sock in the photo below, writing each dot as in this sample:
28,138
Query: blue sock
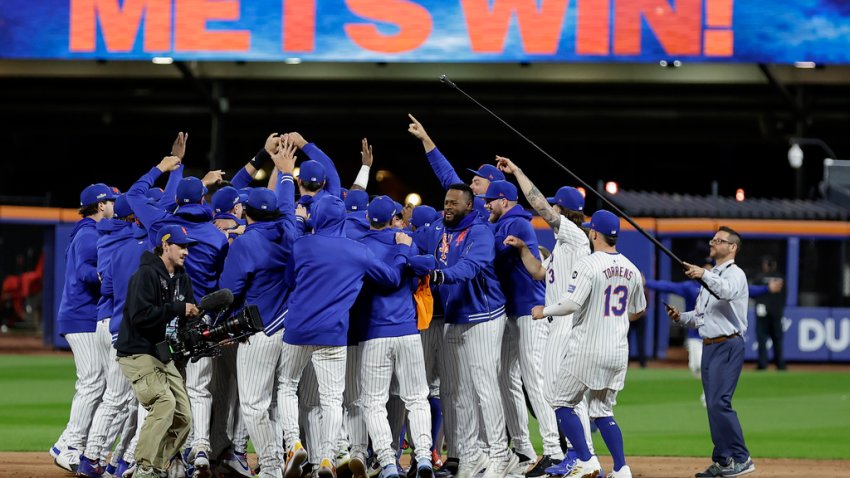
571,427
613,438
436,418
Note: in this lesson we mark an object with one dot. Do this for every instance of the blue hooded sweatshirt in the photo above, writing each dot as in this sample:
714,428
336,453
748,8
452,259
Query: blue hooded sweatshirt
521,291
388,311
447,176
112,232
78,307
470,291
356,225
325,272
122,266
206,259
256,264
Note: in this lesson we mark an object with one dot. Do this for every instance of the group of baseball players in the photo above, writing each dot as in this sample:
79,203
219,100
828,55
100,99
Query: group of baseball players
383,325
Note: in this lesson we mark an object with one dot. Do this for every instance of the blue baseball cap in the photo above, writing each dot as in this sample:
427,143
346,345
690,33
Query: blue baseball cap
312,171
356,200
243,194
604,222
569,198
225,199
174,234
190,191
155,193
263,199
398,208
122,206
489,172
500,190
381,209
423,216
95,193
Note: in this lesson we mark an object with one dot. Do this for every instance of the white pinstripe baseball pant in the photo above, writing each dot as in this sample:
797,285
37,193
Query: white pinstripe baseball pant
432,345
198,388
130,452
382,358
533,336
449,398
354,431
473,353
309,413
555,352
258,364
329,365
510,387
90,361
114,409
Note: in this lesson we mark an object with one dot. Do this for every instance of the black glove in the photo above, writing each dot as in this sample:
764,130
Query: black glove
437,277
260,159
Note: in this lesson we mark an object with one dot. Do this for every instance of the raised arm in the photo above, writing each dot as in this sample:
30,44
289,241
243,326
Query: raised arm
725,287
313,152
532,264
441,166
366,158
245,175
535,198
284,160
148,213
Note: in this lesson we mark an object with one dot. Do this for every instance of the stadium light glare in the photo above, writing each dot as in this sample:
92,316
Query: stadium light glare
292,61
296,172
795,156
582,191
739,195
611,187
162,60
805,64
414,199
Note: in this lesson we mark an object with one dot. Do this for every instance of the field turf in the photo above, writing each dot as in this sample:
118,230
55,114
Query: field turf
785,415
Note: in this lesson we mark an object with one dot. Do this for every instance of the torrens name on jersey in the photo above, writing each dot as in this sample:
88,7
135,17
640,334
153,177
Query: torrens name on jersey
617,271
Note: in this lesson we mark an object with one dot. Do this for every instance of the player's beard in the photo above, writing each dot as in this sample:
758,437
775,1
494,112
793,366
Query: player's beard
457,216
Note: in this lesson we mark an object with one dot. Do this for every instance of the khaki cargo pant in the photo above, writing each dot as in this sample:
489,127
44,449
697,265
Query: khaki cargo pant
160,389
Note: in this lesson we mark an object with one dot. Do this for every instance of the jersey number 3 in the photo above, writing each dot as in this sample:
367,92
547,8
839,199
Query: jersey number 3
615,300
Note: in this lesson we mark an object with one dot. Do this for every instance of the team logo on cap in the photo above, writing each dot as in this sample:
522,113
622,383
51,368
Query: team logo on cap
101,195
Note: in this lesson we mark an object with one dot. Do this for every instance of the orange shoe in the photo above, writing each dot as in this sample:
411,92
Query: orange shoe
436,459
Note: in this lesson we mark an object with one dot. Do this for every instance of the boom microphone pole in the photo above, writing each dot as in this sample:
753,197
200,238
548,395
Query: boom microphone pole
446,81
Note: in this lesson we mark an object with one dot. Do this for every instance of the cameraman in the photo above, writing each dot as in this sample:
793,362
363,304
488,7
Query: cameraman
158,292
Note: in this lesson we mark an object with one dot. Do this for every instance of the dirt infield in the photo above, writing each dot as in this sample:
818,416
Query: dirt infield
40,465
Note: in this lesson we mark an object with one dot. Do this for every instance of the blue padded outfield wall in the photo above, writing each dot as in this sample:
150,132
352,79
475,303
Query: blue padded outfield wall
751,31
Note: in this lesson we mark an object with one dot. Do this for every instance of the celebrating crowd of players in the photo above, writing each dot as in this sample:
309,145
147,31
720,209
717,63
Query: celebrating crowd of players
377,318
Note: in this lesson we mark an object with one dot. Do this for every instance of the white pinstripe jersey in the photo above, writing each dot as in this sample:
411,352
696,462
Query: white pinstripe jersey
571,244
608,287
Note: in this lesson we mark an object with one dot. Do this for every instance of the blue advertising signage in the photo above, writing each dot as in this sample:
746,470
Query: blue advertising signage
812,334
764,31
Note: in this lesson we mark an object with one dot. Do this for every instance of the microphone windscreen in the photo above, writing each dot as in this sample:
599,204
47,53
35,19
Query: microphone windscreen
217,300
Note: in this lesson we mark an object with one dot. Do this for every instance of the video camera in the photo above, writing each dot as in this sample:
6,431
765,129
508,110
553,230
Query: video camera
194,338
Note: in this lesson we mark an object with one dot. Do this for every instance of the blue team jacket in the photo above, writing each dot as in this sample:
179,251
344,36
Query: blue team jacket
470,292
356,225
325,272
388,311
206,259
256,263
78,306
521,291
447,176
112,232
122,266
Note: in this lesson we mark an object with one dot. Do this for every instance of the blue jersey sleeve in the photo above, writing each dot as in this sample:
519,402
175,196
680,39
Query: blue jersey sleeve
169,195
147,213
442,168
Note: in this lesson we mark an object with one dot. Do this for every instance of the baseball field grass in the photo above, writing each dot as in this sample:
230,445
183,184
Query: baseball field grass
797,414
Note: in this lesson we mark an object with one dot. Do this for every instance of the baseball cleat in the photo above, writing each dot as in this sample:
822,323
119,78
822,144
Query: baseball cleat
357,467
238,463
201,464
586,469
295,460
738,469
539,468
68,460
326,469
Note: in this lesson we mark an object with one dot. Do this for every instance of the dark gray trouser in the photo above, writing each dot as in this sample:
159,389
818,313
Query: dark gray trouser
721,367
